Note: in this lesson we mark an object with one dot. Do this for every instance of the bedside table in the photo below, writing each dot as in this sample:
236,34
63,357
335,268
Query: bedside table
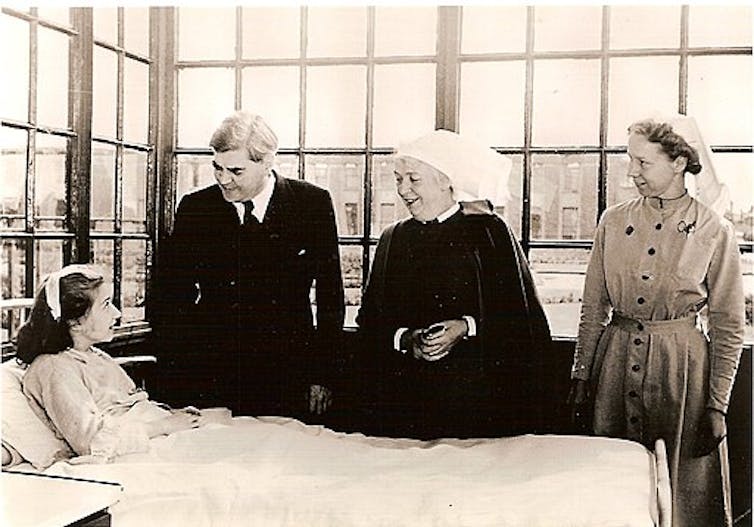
38,500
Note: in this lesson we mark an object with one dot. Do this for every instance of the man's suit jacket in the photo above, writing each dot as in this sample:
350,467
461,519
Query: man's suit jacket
235,317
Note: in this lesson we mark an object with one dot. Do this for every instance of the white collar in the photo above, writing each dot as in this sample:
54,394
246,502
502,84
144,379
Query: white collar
448,213
261,201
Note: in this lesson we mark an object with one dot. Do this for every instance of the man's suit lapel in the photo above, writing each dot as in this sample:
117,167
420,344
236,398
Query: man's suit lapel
279,208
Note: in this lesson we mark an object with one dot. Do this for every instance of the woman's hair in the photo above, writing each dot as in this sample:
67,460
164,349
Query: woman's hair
41,333
245,130
672,144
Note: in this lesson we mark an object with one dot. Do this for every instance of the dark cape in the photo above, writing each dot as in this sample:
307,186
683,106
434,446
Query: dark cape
489,385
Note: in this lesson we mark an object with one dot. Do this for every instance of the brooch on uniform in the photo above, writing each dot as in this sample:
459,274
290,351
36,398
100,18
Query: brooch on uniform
686,228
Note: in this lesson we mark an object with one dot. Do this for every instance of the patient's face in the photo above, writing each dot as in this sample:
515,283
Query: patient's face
97,324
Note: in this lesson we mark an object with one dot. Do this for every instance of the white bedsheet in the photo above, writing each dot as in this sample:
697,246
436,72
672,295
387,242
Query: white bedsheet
279,472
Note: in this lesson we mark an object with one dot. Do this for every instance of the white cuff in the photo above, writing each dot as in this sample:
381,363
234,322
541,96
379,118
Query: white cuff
471,323
397,340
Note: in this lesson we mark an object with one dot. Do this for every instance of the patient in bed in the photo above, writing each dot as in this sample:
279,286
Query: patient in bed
76,389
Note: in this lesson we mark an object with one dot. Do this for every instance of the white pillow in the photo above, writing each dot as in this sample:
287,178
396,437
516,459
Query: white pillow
22,429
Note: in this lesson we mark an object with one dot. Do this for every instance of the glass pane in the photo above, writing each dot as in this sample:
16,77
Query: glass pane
12,178
105,90
724,25
488,29
14,104
106,24
103,257
335,106
567,28
13,262
134,283
271,32
511,210
49,199
205,98
620,187
559,277
564,196
342,175
640,87
103,188
387,207
52,79
48,258
136,29
273,93
736,172
720,99
287,165
58,15
394,120
217,27
645,27
405,31
134,191
337,32
492,102
136,101
566,91
193,172
353,276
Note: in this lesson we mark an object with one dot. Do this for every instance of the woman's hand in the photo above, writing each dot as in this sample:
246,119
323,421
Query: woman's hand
711,431
177,421
578,402
436,341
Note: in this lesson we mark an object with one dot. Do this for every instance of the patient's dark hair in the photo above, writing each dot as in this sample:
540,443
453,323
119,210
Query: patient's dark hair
41,334
672,144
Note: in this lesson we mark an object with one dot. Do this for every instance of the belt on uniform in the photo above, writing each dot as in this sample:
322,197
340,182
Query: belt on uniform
653,326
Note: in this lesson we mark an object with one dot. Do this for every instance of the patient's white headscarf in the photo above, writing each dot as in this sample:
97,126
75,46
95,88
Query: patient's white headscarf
475,171
52,286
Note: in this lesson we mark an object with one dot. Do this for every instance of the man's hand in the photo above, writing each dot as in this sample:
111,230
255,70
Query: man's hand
578,402
711,431
320,399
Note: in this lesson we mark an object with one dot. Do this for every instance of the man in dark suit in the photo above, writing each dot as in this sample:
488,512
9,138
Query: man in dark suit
234,323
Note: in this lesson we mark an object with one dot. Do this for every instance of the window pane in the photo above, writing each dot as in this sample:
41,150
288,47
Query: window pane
193,172
567,28
13,261
287,165
342,175
645,27
136,101
58,15
566,91
559,277
103,188
15,68
205,98
48,258
50,206
560,184
640,87
387,207
273,93
105,89
12,178
492,102
271,32
134,191
206,33
620,187
103,258
335,106
720,91
353,276
52,79
136,29
736,172
726,25
337,32
489,29
106,24
511,210
394,120
405,31
134,282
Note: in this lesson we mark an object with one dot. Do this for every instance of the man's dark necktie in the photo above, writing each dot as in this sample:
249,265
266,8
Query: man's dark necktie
248,218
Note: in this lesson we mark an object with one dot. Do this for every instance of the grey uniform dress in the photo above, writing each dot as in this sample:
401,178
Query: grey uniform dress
653,370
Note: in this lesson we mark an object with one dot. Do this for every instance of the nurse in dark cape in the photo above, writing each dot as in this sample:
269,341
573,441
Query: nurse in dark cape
452,332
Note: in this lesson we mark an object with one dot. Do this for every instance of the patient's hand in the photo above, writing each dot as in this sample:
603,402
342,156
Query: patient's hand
177,421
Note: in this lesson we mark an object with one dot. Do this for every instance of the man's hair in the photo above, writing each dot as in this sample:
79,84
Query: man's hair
245,130
672,144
